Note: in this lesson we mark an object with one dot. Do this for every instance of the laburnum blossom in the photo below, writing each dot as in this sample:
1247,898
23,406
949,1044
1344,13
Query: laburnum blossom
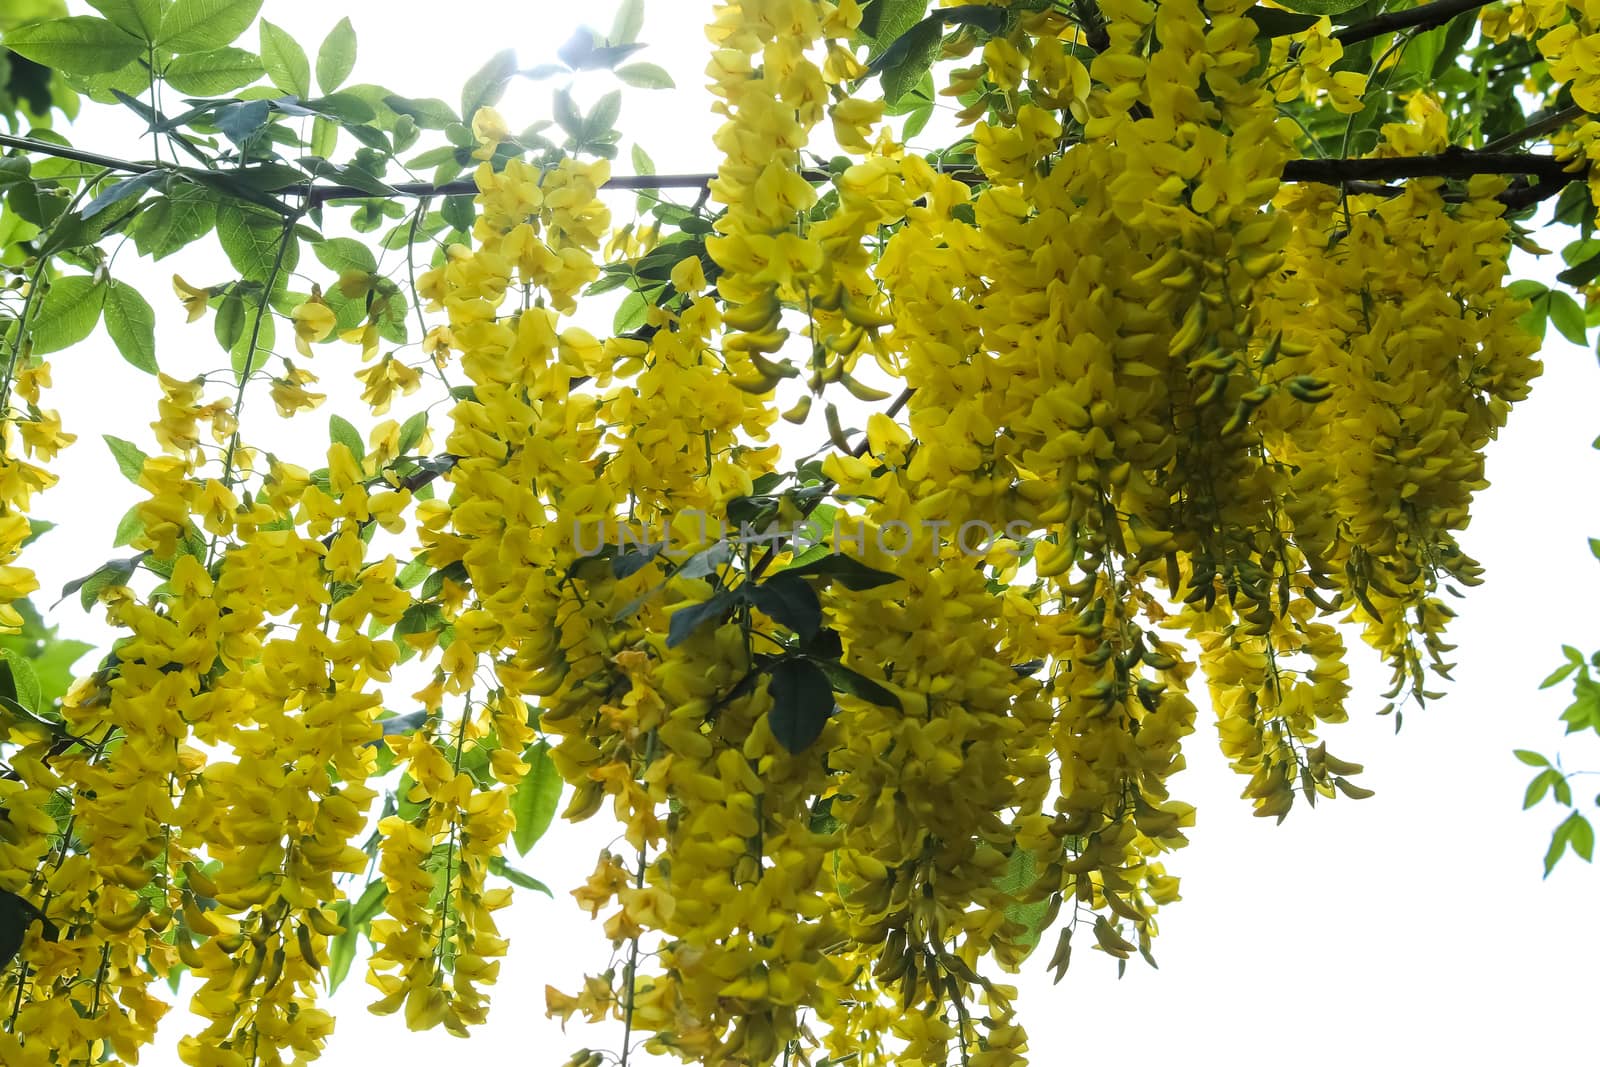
1104,413
313,321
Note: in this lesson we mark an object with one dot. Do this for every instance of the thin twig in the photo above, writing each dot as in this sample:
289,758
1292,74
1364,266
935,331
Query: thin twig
1537,128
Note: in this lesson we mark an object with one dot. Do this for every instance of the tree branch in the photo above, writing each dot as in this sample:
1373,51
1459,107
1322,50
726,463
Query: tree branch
1537,128
1457,163
1552,172
1423,16
45,148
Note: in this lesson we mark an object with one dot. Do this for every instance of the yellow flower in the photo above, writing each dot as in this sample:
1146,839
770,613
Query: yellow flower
289,392
313,320
193,297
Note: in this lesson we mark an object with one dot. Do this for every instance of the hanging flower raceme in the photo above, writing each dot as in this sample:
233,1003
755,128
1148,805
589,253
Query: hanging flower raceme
1110,408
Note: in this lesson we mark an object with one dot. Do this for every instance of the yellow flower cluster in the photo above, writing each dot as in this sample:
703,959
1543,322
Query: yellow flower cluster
1154,411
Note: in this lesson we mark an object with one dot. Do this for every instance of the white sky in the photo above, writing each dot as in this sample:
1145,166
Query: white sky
1410,927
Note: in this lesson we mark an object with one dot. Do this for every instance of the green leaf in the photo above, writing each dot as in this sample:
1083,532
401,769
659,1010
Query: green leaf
337,56
1532,759
370,906
459,212
628,22
1537,317
1594,547
131,322
113,572
1556,675
705,563
429,112
201,25
341,951
917,121
285,61
250,239
80,44
1322,7
485,87
1275,22
230,321
847,570
645,76
411,432
412,573
1581,273
499,866
53,665
1581,835
120,191
884,21
345,253
565,111
16,916
1567,317
536,797
634,560
243,122
175,221
340,432
131,525
630,314
789,600
802,701
24,681
213,73
848,681
909,58
129,456
603,116
68,313
142,18
686,620
1558,845
1539,787
324,136
1020,874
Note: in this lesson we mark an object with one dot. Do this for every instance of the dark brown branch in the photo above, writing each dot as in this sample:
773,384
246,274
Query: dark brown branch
28,144
1423,17
320,194
1451,164
1552,173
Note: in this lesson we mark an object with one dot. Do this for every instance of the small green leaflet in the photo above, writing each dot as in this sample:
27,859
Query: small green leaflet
1322,7
130,458
142,18
24,682
221,70
535,799
337,56
485,87
201,25
340,432
499,866
802,701
285,61
131,323
628,23
68,313
80,44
